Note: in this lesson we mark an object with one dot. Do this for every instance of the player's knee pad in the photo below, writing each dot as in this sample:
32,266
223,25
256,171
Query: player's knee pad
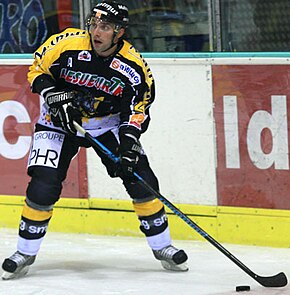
152,216
45,186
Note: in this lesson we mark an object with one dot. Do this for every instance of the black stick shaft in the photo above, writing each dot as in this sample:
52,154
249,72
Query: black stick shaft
279,280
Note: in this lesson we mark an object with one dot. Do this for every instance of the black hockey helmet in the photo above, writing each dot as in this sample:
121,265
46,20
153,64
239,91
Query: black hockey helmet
110,11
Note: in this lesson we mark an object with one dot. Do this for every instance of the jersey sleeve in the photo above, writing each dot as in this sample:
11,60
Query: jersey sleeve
39,75
138,94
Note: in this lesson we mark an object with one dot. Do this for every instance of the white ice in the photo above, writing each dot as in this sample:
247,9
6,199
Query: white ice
82,264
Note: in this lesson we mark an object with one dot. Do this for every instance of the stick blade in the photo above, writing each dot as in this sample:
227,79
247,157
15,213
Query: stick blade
278,280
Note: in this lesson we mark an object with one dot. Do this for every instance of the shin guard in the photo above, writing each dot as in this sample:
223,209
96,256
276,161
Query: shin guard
153,223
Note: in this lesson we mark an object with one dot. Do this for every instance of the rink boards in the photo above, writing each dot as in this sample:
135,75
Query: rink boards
218,142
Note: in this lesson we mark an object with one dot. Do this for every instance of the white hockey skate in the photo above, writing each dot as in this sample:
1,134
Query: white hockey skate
17,265
172,258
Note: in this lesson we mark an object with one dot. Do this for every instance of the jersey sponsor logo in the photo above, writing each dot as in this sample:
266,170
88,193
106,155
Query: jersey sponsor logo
114,86
33,229
136,120
126,70
46,149
85,56
157,222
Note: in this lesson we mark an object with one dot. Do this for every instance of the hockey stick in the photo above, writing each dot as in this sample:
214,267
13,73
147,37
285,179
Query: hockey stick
278,280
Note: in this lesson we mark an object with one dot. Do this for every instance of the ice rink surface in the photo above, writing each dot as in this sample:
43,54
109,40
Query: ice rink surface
82,264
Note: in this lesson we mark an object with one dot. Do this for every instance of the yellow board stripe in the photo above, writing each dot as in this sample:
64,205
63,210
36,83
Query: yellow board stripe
35,215
249,226
148,208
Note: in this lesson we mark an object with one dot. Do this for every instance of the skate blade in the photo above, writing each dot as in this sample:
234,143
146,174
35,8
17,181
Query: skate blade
15,275
174,267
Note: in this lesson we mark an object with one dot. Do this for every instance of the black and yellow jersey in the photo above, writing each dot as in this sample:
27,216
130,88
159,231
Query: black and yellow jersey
119,84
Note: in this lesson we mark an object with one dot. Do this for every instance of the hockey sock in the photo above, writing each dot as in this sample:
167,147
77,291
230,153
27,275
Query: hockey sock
153,223
32,229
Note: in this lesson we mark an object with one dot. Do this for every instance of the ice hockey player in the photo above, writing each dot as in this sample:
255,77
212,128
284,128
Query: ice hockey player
98,79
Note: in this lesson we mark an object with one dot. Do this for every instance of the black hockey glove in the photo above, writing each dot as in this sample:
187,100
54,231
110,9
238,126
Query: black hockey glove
130,151
61,110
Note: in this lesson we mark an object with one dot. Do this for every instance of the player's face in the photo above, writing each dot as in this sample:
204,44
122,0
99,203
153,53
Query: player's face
101,35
